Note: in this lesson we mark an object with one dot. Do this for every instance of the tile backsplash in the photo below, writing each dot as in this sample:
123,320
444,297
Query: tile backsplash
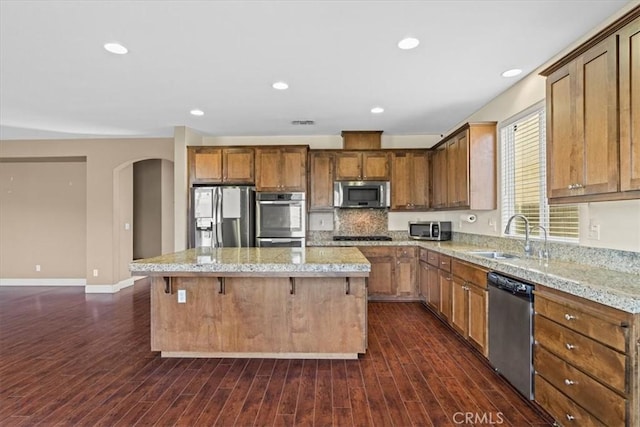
360,222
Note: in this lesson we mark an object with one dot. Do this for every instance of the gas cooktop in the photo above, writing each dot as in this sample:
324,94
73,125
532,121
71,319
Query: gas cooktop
377,238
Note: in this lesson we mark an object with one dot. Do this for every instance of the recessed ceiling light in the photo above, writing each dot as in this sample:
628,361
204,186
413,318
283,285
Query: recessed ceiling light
408,43
511,73
116,48
196,112
280,85
377,110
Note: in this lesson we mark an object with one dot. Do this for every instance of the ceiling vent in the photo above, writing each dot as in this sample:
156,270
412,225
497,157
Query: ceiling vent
303,122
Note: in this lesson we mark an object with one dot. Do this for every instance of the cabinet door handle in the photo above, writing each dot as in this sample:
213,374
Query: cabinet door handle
570,417
347,290
292,285
569,317
569,382
221,285
570,346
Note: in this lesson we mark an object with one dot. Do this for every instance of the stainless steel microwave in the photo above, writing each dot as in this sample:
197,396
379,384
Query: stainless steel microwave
430,230
361,194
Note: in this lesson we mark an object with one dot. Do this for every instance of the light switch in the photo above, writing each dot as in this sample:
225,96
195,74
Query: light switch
127,226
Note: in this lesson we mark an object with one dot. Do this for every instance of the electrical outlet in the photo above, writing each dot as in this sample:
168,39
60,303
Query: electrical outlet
182,296
95,272
594,231
37,267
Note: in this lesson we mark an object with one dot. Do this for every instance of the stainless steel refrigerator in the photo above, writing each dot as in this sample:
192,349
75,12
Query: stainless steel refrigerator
222,217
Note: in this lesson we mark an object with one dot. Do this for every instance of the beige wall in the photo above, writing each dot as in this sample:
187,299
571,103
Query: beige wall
105,160
147,220
43,219
123,214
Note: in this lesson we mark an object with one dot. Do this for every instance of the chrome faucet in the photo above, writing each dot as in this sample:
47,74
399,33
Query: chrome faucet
527,245
543,254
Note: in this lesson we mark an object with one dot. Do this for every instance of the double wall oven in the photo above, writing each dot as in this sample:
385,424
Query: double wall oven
280,219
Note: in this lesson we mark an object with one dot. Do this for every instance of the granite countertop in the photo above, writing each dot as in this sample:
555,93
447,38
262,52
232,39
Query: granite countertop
608,287
345,261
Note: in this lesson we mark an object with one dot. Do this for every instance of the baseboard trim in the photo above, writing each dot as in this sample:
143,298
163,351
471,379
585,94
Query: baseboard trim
112,289
43,282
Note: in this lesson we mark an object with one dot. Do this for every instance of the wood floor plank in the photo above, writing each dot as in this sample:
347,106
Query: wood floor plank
268,410
289,400
305,410
339,384
71,361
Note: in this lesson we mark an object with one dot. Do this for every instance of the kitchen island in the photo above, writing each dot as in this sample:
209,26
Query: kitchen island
258,302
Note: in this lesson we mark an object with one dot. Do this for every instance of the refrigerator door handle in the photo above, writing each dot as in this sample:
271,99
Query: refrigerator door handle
218,217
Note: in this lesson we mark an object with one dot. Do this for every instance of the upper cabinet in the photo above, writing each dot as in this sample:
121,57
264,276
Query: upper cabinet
593,149
362,139
282,168
439,178
409,180
464,168
362,166
220,165
321,177
629,39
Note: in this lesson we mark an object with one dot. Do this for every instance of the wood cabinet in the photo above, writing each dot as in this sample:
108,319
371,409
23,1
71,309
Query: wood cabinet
592,101
393,273
282,168
469,303
220,165
409,180
458,170
361,139
582,127
406,271
629,49
464,168
584,352
381,278
362,165
439,178
321,177
445,288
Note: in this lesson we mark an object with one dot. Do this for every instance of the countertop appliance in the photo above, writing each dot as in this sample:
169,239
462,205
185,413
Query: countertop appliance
511,330
222,217
361,194
361,238
430,230
281,219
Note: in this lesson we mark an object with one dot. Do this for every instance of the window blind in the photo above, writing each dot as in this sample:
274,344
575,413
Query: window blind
524,181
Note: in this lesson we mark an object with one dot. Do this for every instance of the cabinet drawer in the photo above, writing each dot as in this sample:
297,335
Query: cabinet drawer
563,409
602,402
405,252
424,255
600,361
469,273
433,258
571,316
376,251
444,262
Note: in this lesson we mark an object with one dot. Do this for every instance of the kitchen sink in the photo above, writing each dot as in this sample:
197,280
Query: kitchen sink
493,254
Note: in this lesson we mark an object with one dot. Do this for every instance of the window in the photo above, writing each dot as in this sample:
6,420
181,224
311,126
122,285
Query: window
524,180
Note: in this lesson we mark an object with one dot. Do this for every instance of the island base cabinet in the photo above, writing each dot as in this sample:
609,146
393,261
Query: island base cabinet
277,317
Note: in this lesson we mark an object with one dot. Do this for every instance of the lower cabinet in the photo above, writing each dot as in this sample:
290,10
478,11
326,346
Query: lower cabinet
469,303
446,287
585,361
457,292
393,273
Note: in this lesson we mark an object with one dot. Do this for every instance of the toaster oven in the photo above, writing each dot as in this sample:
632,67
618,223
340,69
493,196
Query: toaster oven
430,230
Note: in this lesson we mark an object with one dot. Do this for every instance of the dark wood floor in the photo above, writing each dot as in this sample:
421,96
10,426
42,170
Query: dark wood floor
72,359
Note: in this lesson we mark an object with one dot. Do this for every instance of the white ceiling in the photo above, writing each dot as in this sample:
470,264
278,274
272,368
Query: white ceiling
339,58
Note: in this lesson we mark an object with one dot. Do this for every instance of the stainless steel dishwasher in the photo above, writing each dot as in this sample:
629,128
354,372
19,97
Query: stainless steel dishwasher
511,330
